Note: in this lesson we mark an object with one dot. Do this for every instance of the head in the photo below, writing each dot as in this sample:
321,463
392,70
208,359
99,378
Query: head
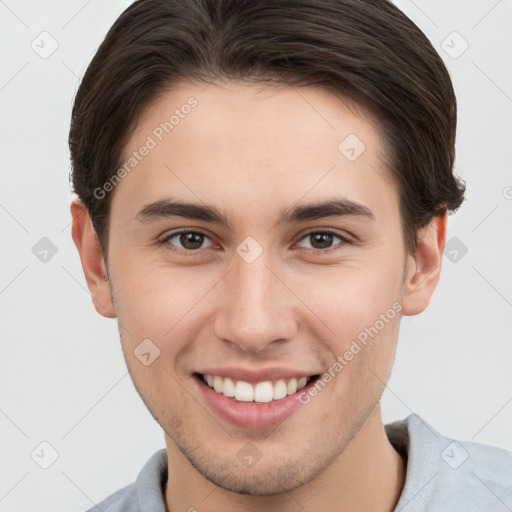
263,187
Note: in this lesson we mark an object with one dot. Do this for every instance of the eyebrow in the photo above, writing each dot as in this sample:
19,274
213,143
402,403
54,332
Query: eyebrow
167,208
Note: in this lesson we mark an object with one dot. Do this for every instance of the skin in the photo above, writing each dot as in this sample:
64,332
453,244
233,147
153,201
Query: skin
253,151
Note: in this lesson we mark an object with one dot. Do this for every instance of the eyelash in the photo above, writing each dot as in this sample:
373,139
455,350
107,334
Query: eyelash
191,252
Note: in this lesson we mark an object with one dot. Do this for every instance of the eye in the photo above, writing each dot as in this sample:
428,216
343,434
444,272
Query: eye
322,240
190,241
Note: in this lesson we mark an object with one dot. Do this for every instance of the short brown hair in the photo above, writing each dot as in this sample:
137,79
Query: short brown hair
367,51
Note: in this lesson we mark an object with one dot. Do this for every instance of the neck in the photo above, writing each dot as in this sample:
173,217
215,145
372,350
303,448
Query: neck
368,475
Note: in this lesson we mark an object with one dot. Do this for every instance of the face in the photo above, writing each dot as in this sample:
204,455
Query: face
252,254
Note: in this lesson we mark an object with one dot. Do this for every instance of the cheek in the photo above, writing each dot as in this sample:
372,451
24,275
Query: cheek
361,365
144,290
162,304
361,309
350,299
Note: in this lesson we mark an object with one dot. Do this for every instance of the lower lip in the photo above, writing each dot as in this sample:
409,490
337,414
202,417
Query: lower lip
250,415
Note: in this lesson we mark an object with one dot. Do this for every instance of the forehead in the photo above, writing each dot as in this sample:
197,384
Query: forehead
224,113
253,143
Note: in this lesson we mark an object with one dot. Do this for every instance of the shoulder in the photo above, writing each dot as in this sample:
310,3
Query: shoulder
146,493
123,500
448,474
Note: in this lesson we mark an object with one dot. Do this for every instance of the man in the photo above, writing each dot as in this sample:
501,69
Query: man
263,193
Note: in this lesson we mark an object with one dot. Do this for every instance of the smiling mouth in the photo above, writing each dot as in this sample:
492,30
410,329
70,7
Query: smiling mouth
259,393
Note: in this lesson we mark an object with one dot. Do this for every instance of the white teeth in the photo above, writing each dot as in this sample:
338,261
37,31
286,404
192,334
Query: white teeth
244,391
279,390
218,384
301,383
292,386
262,392
229,388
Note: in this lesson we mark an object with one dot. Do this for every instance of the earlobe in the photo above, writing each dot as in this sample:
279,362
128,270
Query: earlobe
91,256
424,266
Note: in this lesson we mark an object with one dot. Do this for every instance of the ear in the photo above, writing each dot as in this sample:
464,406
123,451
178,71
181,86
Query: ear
91,256
424,266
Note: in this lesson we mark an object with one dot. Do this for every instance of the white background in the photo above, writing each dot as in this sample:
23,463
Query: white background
62,374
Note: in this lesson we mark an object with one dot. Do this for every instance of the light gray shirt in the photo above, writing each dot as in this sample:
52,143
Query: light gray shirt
443,475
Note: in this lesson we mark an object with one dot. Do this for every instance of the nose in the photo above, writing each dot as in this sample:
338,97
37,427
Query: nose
256,308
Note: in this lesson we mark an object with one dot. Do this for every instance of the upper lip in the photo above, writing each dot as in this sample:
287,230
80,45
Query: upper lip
253,375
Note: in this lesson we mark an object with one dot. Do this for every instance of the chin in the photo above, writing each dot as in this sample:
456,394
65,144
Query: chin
273,473
259,483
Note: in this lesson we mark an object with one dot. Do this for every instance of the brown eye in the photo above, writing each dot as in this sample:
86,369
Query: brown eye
191,240
320,240
185,241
